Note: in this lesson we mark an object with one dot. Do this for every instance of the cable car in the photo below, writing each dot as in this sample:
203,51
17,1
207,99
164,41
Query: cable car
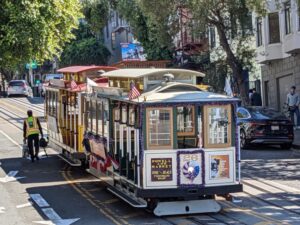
160,142
62,109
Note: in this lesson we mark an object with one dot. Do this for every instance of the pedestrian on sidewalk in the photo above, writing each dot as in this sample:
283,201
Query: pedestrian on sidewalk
255,98
293,101
31,130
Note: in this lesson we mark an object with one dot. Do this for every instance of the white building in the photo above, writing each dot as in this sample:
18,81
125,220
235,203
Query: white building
278,50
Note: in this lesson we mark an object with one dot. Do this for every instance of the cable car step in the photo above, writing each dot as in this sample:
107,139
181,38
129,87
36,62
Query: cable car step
186,207
127,198
68,160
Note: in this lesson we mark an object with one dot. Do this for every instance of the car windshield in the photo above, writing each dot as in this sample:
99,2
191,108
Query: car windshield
265,113
50,77
16,83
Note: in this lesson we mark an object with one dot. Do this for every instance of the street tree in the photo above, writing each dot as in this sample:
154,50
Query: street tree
229,17
35,30
86,49
96,14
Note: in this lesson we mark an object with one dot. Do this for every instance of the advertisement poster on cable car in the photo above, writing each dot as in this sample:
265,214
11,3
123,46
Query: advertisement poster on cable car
190,167
99,160
219,167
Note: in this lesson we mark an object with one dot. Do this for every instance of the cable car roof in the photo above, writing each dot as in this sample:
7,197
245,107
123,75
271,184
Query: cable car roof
137,73
179,92
80,69
193,96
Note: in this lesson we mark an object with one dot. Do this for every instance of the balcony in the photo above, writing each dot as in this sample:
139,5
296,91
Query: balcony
291,43
265,54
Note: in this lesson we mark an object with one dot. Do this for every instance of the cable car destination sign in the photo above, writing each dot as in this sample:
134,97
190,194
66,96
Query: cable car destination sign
161,169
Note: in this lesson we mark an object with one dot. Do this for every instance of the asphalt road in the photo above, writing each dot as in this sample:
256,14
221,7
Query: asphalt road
51,192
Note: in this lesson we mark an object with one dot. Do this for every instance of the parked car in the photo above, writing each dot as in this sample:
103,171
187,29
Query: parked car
260,125
19,87
46,80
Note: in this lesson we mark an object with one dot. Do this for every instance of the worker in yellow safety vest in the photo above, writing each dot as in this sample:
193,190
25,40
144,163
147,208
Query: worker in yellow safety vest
31,130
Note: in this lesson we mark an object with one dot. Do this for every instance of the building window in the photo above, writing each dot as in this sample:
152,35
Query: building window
287,17
299,17
113,40
117,19
212,37
274,32
259,31
266,93
107,30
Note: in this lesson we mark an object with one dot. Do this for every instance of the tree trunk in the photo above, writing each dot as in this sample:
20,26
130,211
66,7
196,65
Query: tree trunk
235,65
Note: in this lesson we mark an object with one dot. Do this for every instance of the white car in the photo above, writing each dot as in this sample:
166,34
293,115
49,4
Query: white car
19,87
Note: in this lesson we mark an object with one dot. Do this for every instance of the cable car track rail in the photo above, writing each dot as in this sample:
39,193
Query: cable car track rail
273,203
7,114
37,107
24,112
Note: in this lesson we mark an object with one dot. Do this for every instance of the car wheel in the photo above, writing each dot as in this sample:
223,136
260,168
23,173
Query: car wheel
243,141
285,146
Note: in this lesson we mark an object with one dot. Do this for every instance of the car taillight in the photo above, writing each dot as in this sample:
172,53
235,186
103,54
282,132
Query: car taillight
256,124
257,128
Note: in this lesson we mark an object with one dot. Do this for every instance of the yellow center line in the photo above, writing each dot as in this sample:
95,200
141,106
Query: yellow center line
104,210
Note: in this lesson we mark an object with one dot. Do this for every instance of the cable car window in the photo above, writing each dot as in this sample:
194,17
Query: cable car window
132,115
217,126
117,113
52,103
100,118
159,128
124,114
93,116
106,117
87,115
185,121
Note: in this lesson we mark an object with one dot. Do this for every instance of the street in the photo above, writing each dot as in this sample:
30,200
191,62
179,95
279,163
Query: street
49,191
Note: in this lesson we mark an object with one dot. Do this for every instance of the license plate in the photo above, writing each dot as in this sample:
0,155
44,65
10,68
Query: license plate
274,127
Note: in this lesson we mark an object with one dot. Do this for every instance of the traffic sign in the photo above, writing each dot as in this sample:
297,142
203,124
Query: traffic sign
32,65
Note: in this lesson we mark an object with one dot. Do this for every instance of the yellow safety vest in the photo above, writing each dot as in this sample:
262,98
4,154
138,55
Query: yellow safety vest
31,126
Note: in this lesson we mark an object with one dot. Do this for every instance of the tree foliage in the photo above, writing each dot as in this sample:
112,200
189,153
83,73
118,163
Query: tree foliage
35,29
85,49
231,19
96,13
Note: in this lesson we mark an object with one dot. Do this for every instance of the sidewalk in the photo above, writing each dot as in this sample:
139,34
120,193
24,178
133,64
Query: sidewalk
296,143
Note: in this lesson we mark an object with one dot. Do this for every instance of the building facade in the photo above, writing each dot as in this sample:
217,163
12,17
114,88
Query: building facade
116,32
278,50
